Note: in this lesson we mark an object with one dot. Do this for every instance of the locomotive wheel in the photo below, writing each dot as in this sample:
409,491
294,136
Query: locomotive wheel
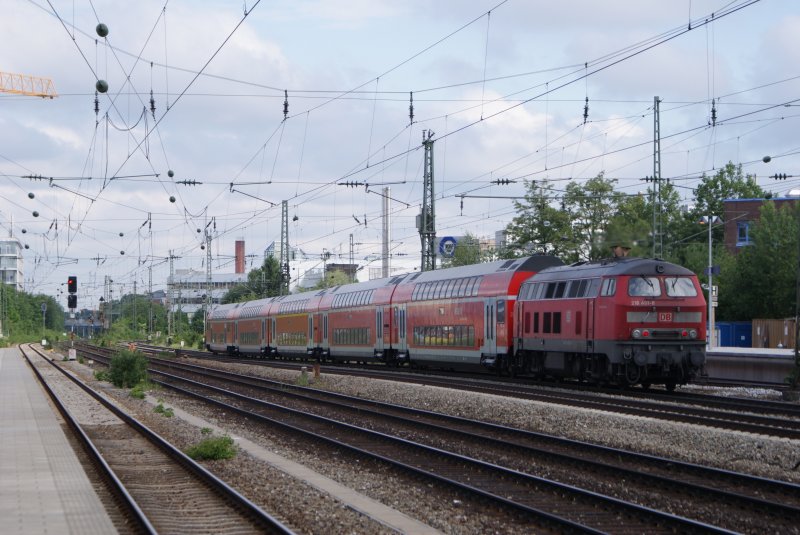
670,386
646,385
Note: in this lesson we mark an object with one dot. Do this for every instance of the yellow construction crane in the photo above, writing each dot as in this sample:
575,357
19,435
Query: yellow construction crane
22,84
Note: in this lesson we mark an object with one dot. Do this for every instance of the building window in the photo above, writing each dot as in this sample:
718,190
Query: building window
743,233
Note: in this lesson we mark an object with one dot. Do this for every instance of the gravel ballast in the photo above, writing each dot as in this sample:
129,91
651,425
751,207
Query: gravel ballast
312,511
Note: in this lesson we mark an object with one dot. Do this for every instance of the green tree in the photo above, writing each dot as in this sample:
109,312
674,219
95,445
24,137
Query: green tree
759,283
333,277
540,227
591,206
261,282
727,183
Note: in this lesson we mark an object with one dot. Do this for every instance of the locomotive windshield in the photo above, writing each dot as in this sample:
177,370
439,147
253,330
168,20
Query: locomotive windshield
680,287
644,286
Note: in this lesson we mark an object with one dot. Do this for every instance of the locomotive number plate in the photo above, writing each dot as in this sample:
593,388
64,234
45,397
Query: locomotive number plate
665,316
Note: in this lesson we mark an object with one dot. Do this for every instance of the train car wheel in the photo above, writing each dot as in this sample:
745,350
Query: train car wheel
670,385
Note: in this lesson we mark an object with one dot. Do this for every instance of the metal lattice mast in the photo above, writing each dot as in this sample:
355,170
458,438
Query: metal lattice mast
170,291
426,219
150,300
208,273
386,235
352,271
658,242
284,260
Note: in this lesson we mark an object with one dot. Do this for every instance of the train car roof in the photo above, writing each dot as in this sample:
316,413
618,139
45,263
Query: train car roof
528,263
612,267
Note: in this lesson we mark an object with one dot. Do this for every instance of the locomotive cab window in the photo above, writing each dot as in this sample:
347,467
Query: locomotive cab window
642,286
609,287
680,287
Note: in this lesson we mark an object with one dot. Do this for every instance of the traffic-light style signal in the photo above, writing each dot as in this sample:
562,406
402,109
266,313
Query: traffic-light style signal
72,284
72,301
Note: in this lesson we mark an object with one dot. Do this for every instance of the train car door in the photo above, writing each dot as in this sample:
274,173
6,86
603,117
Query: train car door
589,324
489,327
325,330
399,327
311,341
379,329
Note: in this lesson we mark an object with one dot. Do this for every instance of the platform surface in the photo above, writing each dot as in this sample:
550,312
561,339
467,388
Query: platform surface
43,487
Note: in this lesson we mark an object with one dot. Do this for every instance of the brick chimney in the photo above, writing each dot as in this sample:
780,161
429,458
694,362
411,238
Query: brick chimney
239,256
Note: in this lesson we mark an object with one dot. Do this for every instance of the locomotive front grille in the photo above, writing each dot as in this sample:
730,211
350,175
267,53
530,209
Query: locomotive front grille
665,334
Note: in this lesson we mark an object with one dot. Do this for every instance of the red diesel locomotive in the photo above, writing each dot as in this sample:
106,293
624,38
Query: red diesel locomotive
622,321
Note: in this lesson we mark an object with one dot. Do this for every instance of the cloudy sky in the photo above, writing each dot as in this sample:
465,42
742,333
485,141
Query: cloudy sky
501,84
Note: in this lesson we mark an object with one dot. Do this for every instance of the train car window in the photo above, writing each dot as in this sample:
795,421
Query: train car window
440,287
642,286
501,311
560,287
547,323
572,289
609,287
680,287
556,322
535,322
550,291
593,288
460,286
527,323
451,287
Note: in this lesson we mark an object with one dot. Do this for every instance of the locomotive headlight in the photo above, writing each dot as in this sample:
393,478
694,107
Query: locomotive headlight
692,334
637,333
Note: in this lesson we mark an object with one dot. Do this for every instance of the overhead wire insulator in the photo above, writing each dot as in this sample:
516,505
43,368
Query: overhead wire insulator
713,112
152,104
586,110
96,106
411,107
285,104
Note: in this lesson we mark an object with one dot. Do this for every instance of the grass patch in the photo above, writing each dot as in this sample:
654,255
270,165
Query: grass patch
213,449
102,375
141,389
166,411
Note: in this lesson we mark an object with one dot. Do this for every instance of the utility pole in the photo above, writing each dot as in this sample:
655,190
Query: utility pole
426,219
284,260
352,271
658,244
170,290
386,235
208,271
135,325
150,300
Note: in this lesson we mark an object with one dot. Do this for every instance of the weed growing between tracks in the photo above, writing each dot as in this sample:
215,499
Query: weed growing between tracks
213,448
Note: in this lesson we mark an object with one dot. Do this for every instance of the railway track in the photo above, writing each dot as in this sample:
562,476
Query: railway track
737,498
770,418
158,486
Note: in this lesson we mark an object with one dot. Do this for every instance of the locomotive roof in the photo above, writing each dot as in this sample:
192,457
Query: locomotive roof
611,267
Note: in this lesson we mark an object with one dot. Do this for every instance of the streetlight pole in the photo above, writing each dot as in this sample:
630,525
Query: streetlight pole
710,335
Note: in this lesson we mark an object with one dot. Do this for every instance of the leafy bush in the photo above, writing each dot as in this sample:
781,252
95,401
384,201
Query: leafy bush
128,368
213,448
